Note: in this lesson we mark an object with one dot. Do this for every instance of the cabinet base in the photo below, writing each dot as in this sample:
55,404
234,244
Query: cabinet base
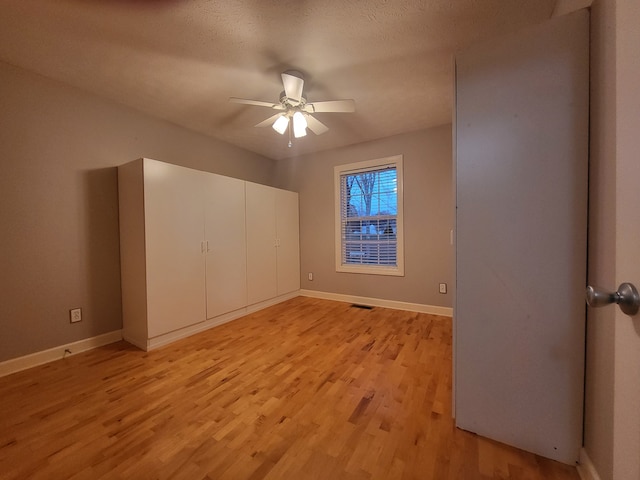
167,338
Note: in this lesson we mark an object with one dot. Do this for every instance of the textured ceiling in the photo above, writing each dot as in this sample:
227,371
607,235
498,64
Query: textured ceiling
180,60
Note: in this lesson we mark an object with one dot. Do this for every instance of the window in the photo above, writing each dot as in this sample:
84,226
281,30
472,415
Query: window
369,233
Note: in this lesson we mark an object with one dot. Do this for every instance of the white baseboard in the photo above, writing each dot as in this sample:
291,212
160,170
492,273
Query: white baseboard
56,353
167,338
272,301
377,302
22,363
170,337
586,469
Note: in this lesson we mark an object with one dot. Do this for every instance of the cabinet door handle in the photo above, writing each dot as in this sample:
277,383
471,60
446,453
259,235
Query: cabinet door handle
202,247
208,249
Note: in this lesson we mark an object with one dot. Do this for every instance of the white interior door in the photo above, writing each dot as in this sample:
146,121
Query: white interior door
521,200
226,259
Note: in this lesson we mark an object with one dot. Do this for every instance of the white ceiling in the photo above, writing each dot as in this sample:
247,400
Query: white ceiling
180,60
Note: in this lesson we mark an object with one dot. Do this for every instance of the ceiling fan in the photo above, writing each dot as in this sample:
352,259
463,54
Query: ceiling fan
294,110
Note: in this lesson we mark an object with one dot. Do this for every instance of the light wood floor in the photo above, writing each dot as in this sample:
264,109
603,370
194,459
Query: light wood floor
308,389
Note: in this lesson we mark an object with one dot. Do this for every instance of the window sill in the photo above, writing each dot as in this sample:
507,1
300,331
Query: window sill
371,270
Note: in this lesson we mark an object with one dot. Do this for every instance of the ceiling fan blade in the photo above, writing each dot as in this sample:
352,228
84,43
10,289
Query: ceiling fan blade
316,126
257,103
331,106
292,86
269,121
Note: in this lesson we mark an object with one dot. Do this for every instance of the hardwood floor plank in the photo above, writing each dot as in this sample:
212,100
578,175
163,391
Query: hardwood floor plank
307,389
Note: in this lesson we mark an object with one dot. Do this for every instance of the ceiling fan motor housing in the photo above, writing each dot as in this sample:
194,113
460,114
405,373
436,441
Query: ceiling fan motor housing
292,102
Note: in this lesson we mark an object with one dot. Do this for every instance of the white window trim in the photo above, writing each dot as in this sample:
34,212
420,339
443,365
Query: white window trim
338,170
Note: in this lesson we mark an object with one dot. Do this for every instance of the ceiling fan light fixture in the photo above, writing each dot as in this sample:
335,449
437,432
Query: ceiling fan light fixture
299,125
281,124
295,114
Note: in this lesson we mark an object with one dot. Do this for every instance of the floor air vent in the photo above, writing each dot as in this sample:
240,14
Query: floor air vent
364,307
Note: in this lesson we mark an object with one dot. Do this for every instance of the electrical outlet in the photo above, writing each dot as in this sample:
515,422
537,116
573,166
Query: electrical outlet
75,315
310,276
443,288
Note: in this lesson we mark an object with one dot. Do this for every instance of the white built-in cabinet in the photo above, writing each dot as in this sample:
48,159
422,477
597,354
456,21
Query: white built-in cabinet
273,260
199,249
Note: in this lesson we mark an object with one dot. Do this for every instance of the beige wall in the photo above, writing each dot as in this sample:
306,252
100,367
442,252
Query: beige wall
612,420
59,148
602,191
428,217
626,407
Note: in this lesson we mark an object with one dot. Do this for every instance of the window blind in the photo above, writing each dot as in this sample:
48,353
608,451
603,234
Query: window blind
369,209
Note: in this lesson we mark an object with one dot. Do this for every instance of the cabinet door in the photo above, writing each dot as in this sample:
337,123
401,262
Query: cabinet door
261,243
226,259
174,232
288,251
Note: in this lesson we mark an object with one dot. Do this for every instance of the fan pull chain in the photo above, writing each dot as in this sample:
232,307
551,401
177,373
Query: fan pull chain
290,143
